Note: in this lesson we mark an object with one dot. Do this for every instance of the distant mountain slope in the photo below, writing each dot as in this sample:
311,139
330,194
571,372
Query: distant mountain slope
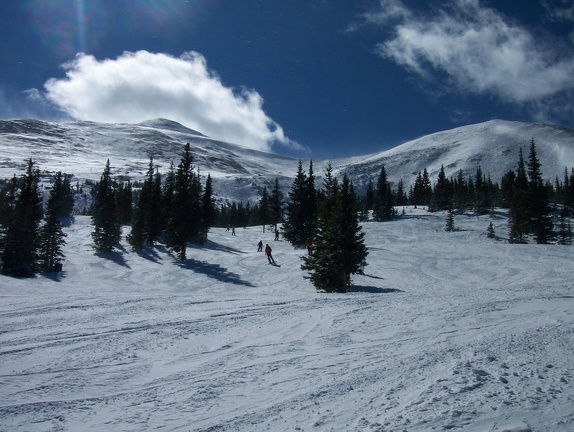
493,145
239,173
82,149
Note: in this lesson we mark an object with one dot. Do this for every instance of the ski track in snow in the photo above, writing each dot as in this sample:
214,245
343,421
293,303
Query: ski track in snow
445,331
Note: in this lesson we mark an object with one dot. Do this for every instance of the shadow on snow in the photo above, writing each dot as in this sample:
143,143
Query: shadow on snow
372,289
214,271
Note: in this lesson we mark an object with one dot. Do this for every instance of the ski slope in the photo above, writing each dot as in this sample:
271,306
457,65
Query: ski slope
445,331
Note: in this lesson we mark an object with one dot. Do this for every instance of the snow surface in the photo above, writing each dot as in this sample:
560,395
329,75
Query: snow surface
445,331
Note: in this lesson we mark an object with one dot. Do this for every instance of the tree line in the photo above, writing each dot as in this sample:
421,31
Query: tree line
31,234
177,209
532,202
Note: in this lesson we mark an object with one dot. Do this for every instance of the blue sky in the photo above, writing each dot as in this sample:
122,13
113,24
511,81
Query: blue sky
306,78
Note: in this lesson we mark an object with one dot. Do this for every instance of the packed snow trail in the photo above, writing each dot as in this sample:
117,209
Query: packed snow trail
445,331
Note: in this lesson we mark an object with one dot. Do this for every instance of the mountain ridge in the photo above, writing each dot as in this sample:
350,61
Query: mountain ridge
81,148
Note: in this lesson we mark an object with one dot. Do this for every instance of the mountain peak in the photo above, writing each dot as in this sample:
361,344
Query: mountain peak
161,123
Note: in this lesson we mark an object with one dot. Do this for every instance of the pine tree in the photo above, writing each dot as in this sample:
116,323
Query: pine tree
311,204
21,235
518,214
401,198
107,226
384,210
276,203
156,213
52,236
565,227
264,208
296,212
539,208
442,196
184,221
338,246
351,243
167,192
207,207
139,235
124,198
450,220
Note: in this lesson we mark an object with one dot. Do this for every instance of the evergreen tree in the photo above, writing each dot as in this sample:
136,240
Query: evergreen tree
264,208
155,219
518,214
351,242
539,208
276,203
124,198
310,205
442,196
401,195
564,228
384,210
107,226
338,246
296,213
167,192
52,236
207,207
139,235
22,221
370,196
460,193
507,187
184,221
450,220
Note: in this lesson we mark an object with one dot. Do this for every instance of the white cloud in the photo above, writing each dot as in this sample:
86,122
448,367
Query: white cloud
479,51
141,86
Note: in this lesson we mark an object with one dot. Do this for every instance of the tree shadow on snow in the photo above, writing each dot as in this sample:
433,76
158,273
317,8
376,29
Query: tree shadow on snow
372,289
55,276
211,245
150,253
115,256
214,271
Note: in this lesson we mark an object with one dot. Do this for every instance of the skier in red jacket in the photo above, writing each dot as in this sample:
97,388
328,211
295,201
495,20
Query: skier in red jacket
268,253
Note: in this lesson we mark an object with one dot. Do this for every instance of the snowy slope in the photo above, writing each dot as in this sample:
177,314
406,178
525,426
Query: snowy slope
446,331
493,145
82,148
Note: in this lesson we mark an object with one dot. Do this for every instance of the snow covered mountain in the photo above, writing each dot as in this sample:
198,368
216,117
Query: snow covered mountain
493,145
239,173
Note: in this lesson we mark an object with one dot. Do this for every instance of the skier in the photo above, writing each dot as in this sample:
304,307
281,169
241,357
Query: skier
268,253
260,246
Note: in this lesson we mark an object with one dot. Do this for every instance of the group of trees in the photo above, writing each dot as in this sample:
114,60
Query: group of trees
531,201
179,209
31,234
327,222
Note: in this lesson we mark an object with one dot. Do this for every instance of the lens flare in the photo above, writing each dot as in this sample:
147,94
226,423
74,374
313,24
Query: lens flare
66,27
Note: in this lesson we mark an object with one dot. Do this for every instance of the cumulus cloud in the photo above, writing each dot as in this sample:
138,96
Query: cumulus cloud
477,50
141,86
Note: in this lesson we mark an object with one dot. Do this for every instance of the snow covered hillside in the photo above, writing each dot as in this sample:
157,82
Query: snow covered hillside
82,148
445,331
493,145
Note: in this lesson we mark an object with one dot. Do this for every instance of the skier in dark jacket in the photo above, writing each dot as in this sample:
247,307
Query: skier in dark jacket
268,253
260,246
